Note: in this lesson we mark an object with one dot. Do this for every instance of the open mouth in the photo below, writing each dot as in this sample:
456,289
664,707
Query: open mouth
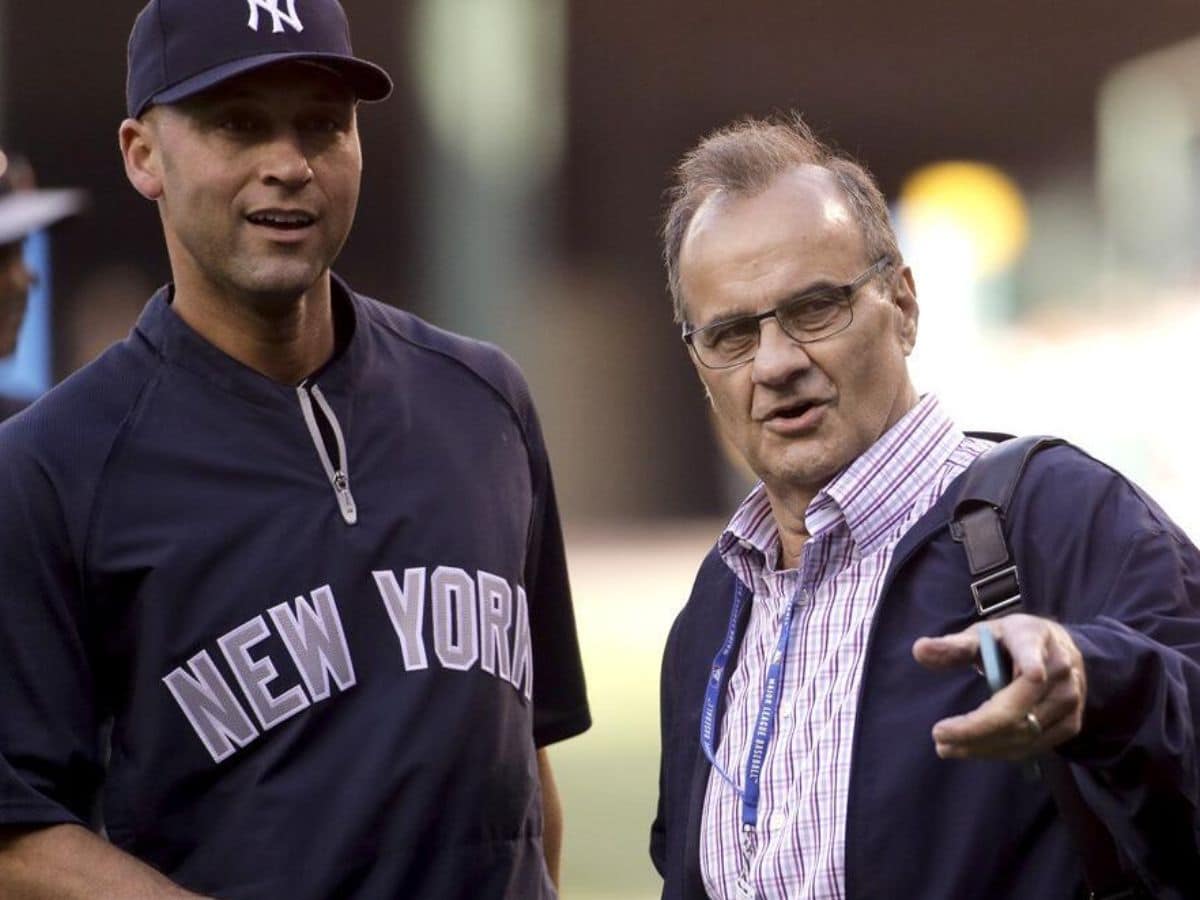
792,412
286,221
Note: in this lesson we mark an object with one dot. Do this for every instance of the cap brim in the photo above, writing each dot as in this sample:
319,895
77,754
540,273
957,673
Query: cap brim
24,212
368,81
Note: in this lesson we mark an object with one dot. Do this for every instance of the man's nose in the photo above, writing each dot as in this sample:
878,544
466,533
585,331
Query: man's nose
779,358
286,161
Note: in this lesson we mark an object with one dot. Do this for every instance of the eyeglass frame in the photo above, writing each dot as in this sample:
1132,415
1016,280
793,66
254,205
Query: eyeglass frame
847,291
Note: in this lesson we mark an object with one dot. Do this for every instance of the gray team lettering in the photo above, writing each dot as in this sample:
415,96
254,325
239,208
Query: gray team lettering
455,618
476,621
406,609
210,706
522,665
253,675
469,626
316,642
495,618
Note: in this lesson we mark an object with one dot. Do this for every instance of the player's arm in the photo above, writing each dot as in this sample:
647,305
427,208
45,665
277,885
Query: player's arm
64,862
552,816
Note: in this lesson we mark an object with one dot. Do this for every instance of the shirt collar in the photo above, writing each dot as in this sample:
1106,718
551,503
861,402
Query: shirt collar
871,497
175,342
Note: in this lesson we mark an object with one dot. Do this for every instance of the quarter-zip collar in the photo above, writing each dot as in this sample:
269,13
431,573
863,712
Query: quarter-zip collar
174,341
178,344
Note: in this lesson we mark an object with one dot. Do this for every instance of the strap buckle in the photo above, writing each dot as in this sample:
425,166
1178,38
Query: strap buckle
996,592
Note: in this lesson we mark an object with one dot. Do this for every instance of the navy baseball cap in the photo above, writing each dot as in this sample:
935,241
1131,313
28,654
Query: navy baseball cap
181,47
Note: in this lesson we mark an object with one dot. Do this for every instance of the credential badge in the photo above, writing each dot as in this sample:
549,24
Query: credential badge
278,16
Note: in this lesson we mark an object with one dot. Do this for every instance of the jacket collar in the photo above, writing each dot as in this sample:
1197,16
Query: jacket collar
176,343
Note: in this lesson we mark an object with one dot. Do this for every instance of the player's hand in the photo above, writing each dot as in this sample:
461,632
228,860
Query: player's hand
1039,709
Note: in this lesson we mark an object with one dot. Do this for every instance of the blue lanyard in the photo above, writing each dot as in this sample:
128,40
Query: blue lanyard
764,726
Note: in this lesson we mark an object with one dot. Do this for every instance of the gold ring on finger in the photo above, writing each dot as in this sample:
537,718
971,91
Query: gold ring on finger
1035,727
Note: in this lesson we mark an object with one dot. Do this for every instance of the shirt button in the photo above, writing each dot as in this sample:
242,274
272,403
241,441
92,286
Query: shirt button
777,820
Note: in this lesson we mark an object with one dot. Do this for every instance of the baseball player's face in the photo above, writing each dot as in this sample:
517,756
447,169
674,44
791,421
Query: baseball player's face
798,413
15,281
257,182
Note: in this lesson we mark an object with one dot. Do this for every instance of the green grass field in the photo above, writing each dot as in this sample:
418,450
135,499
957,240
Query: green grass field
628,586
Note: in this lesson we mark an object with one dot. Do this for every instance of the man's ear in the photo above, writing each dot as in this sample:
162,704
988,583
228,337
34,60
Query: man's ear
904,295
143,160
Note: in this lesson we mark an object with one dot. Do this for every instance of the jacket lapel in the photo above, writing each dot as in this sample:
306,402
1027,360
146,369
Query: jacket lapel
714,633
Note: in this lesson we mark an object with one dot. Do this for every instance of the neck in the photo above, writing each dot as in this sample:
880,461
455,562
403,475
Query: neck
789,520
789,502
285,341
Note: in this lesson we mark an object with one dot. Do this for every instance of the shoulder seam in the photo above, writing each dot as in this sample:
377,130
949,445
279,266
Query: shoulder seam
478,376
118,437
1161,526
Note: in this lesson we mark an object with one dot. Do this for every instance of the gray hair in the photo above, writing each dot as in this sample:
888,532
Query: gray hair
744,159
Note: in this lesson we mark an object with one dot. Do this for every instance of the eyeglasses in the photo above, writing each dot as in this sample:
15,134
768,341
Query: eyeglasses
812,316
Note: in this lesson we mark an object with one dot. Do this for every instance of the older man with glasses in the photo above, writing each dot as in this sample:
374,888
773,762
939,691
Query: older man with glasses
825,733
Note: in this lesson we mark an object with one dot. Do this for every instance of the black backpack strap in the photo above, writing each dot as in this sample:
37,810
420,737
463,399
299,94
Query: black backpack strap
978,524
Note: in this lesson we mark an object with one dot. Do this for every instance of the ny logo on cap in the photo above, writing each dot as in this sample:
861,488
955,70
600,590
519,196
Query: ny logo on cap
278,16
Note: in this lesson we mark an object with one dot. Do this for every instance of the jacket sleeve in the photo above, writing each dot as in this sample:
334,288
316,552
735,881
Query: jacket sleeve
560,706
1136,759
1102,558
50,766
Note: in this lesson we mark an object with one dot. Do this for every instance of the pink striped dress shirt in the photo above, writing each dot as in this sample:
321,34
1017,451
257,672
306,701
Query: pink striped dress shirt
854,525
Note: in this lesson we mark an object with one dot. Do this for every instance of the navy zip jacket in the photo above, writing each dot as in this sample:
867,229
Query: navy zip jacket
1095,554
322,626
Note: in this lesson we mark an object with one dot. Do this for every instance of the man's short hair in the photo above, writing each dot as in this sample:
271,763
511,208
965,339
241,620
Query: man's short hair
744,159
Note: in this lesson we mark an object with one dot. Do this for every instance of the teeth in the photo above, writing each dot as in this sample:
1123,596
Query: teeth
283,220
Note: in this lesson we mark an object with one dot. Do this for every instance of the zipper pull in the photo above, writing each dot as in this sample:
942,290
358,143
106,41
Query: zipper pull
341,489
339,480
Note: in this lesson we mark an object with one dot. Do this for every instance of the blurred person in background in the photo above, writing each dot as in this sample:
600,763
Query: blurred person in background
277,570
23,210
824,730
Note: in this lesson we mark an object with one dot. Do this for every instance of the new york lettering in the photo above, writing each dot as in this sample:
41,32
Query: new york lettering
476,622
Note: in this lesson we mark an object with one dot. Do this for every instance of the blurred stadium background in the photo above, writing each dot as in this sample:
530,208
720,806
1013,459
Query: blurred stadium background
1043,160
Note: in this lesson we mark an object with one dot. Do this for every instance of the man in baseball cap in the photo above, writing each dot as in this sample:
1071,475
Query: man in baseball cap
277,571
23,210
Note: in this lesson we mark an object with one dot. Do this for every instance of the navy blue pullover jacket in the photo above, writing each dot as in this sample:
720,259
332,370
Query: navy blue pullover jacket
305,616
